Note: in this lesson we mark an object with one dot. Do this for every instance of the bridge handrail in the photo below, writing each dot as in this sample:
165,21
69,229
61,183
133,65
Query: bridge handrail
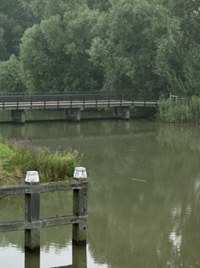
63,96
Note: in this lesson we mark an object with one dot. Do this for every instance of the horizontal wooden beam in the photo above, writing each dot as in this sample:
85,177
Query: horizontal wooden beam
41,188
46,222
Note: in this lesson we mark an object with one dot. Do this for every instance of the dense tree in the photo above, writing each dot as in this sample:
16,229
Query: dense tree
3,51
53,53
184,76
101,5
102,44
14,20
134,45
10,76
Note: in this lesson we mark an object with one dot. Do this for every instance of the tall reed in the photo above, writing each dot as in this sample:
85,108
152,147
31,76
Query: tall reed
180,110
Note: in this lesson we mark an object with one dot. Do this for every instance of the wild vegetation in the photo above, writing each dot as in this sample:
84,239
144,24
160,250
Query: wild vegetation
180,110
84,45
16,158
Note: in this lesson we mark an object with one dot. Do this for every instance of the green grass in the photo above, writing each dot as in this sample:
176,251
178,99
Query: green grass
16,158
182,110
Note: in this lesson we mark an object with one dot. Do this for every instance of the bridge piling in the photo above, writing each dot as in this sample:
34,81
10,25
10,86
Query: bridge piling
18,116
122,112
74,113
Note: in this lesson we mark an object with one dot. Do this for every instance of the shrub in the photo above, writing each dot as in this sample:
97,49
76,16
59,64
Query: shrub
19,157
182,110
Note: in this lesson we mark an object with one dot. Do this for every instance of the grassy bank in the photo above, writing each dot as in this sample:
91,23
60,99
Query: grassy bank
16,158
181,110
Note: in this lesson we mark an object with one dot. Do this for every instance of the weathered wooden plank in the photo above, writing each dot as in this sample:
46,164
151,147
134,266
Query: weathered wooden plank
46,222
63,186
41,188
13,226
63,220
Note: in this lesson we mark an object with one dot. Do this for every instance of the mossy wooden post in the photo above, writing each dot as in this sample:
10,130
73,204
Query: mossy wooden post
32,213
80,207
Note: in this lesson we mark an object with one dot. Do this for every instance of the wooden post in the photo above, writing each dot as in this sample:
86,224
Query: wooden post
33,223
32,214
80,209
32,211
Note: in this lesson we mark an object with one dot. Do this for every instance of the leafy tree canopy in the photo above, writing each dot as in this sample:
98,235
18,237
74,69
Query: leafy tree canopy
53,53
10,76
115,45
134,44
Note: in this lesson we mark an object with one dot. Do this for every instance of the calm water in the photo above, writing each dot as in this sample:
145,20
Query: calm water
144,196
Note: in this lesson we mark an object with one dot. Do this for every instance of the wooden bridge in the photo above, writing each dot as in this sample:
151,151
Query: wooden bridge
121,102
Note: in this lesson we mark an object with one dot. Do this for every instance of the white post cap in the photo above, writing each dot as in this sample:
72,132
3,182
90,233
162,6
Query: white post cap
32,177
80,173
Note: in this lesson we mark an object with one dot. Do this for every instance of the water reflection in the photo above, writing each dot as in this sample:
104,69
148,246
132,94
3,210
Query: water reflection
176,240
130,223
79,260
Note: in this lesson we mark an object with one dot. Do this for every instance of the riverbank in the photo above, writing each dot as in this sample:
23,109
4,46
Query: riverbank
16,158
179,110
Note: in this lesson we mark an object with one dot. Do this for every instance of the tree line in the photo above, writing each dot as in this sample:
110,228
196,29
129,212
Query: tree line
100,45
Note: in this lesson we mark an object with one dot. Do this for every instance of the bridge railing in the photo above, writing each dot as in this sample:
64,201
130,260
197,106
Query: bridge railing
44,97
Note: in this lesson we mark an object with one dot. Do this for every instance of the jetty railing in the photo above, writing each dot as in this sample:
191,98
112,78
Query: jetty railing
33,223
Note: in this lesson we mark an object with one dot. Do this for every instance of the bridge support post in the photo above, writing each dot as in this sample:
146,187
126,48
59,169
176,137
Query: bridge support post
122,112
18,116
78,114
127,113
74,113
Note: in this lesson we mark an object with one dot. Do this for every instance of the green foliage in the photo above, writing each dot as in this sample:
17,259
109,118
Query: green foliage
14,20
5,151
101,5
3,52
53,53
84,45
186,80
134,44
10,76
179,111
18,157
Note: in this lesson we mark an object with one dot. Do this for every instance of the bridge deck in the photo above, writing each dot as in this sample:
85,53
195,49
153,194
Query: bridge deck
121,102
72,104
